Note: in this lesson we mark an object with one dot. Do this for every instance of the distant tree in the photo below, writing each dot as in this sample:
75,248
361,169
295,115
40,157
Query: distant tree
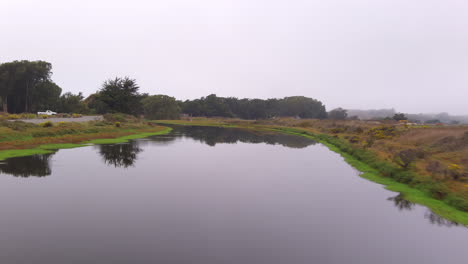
19,81
301,106
432,121
215,106
399,117
72,103
46,96
212,105
160,107
338,114
119,95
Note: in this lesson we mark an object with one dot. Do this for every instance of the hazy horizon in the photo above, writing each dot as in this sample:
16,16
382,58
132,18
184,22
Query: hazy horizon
355,54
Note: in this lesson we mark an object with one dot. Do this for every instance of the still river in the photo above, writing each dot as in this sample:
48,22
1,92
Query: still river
211,195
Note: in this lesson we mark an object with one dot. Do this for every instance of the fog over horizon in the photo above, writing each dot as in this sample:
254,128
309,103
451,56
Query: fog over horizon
355,54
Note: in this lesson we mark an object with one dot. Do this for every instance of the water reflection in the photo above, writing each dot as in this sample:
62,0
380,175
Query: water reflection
437,220
125,155
403,204
214,135
35,165
120,155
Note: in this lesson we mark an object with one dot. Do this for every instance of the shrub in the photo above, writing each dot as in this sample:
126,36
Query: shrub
13,117
76,115
354,139
28,116
117,124
17,125
458,202
99,123
438,190
455,171
46,124
44,116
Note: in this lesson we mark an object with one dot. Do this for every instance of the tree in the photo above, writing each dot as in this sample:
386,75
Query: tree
46,96
302,106
119,95
19,81
160,107
338,114
399,117
72,103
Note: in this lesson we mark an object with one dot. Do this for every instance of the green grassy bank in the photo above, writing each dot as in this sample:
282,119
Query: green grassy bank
48,148
365,162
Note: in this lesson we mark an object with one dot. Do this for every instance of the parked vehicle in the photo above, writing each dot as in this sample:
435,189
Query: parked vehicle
47,112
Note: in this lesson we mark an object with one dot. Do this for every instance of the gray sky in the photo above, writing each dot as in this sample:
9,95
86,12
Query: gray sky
407,54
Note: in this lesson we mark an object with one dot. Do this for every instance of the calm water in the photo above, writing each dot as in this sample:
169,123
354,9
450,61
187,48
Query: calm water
210,196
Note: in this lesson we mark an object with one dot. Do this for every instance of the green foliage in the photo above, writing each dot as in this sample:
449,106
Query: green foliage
382,132
294,106
438,190
399,117
119,95
46,96
72,103
457,202
406,157
17,125
119,117
338,114
25,82
160,107
46,124
13,117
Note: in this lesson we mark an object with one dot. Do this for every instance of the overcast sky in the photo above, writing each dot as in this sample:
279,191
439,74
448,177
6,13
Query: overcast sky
408,54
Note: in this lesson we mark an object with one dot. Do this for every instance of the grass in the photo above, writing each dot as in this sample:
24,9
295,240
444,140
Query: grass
362,160
18,140
129,137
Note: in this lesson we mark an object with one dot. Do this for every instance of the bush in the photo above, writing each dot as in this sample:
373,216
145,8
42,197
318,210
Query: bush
28,116
17,125
99,123
438,190
46,124
44,116
458,202
117,124
13,117
118,117
76,115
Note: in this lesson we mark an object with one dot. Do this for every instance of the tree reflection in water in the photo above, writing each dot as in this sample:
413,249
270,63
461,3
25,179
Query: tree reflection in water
120,155
403,204
437,220
214,135
35,165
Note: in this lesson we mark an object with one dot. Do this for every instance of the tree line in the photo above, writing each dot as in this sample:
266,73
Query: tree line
26,86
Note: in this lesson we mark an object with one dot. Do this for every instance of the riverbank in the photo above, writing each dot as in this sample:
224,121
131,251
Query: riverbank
416,188
21,139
